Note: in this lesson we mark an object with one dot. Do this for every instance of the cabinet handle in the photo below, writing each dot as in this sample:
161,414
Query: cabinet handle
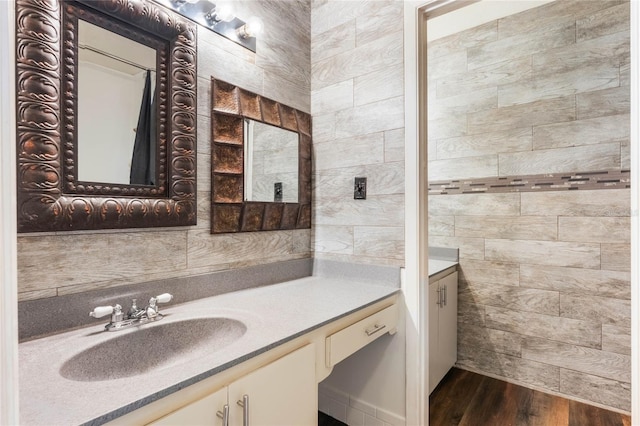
244,403
439,302
444,298
373,330
224,415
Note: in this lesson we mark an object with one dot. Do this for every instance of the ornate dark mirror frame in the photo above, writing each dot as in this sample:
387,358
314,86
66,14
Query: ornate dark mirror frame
230,213
50,197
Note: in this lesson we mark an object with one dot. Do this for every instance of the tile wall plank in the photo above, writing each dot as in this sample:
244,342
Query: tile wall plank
494,74
484,144
470,313
452,106
441,226
333,239
552,85
616,339
543,38
379,85
611,393
507,227
595,229
577,281
379,241
377,210
394,145
447,126
616,257
552,327
611,202
377,55
373,24
512,297
506,204
605,102
470,248
454,63
378,116
339,39
478,35
523,115
203,250
463,168
350,151
332,98
605,156
476,272
608,21
549,13
489,339
578,358
611,49
612,128
595,308
553,253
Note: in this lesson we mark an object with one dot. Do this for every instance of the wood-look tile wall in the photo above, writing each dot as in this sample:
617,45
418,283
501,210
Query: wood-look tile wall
62,263
545,283
357,105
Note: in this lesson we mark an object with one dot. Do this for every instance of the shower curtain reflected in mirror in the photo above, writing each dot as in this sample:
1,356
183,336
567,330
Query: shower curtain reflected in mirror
144,152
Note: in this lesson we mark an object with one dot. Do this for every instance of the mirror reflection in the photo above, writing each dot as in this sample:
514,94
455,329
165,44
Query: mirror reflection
270,163
116,109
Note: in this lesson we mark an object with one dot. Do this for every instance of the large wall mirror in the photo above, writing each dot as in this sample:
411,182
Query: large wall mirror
261,163
106,111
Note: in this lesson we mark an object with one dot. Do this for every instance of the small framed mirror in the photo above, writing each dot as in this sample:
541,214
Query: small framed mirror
106,115
260,164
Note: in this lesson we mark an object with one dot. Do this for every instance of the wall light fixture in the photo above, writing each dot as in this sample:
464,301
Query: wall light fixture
218,18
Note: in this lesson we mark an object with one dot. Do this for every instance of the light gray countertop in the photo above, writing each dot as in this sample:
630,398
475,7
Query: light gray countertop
436,266
273,315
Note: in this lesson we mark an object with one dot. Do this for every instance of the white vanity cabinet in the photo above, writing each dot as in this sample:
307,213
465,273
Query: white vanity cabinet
284,392
443,327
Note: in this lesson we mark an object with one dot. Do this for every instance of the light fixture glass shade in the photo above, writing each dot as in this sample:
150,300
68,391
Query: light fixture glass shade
252,28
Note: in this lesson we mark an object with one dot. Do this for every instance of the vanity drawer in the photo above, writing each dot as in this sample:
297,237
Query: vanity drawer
348,340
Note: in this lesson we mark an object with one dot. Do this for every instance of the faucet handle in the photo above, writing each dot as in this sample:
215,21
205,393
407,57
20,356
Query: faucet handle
102,311
164,298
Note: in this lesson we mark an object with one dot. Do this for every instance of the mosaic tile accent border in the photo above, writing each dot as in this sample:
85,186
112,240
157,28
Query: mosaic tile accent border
607,179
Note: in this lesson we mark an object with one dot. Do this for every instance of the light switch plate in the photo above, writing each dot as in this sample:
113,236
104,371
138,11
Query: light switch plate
360,188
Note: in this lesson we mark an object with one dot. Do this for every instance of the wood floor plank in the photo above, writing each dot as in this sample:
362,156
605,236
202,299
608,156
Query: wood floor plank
469,399
548,410
449,401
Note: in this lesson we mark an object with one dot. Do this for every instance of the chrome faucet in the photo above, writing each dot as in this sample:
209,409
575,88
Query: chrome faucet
134,316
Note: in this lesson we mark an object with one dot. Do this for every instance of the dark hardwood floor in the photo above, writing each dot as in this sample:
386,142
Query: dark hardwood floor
470,399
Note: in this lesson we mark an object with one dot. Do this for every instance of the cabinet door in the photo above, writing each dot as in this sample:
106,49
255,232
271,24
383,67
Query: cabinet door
283,393
199,413
434,309
448,323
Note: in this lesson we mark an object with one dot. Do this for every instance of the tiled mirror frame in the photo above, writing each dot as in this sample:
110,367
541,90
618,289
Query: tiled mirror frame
229,212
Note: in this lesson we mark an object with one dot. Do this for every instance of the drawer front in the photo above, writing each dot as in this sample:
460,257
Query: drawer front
348,340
